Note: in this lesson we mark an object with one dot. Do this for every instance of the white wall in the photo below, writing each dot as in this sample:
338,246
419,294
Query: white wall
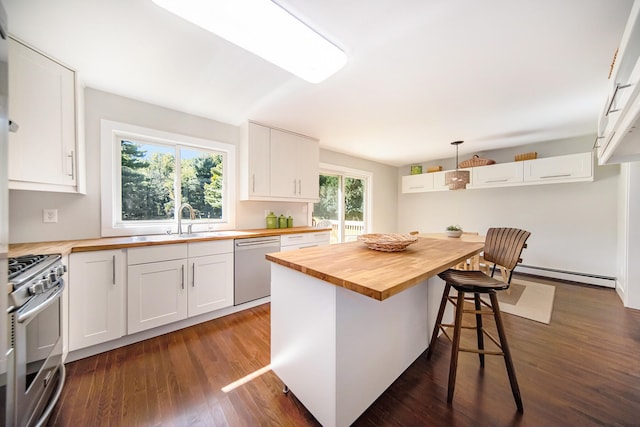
628,273
79,215
573,225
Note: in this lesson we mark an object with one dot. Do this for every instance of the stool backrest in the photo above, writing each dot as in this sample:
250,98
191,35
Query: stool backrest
503,246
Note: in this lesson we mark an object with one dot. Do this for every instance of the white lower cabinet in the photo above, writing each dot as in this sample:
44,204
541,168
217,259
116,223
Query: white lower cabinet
210,276
290,242
96,297
169,283
157,294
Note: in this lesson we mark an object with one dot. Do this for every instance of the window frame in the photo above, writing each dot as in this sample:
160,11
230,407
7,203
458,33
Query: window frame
112,133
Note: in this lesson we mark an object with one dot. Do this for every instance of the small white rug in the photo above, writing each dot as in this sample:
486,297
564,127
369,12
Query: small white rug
535,302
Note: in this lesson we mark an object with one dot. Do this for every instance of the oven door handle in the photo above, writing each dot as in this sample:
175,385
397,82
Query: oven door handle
23,317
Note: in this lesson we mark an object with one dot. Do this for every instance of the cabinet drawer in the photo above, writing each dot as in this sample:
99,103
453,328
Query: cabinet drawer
293,239
156,253
213,247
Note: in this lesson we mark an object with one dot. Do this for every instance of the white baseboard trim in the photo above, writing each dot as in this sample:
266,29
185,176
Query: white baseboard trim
590,279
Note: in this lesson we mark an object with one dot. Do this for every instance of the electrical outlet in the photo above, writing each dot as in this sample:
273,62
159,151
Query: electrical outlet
50,215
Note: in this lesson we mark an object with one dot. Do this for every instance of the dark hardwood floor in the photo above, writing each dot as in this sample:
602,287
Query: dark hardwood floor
581,370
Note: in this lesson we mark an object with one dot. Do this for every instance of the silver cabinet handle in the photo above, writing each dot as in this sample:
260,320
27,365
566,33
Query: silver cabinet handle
253,183
556,176
497,180
299,187
295,189
182,279
613,98
193,275
71,155
113,270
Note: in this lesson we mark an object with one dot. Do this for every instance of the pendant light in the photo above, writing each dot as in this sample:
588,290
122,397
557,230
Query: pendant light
457,180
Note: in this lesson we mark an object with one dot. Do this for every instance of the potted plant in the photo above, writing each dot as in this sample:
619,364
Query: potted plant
454,231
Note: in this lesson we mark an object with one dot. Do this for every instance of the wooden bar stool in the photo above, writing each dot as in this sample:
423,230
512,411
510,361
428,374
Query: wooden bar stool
503,246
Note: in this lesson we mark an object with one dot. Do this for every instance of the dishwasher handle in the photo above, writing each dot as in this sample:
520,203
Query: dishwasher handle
271,242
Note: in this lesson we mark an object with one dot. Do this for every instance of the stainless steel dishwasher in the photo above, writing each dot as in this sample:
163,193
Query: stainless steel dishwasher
252,270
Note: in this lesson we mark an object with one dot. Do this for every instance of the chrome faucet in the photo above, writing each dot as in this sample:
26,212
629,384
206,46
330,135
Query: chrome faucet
192,215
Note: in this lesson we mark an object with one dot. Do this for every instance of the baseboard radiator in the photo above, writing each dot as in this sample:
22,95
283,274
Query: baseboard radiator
591,279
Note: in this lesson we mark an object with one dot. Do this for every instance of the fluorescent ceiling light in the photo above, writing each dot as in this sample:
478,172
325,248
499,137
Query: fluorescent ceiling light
267,30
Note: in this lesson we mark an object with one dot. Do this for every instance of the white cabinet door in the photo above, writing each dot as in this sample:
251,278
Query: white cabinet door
157,294
499,175
210,283
417,183
569,168
258,158
96,297
42,153
308,164
284,158
294,166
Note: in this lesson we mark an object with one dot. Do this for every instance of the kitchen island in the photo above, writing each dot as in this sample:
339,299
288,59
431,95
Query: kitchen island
346,321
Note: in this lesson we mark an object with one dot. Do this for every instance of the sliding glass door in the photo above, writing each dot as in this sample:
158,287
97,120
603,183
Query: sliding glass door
343,203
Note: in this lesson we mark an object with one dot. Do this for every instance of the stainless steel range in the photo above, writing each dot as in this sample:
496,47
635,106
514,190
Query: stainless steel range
36,380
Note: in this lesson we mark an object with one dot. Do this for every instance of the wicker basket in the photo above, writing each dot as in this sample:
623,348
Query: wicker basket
476,161
526,156
387,242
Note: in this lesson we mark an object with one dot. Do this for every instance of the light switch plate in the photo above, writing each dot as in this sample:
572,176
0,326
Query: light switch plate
50,215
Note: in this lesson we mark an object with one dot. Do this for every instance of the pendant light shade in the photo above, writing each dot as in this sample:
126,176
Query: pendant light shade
457,180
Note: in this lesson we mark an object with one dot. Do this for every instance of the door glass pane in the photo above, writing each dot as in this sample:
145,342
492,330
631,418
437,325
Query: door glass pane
201,182
328,207
354,195
147,181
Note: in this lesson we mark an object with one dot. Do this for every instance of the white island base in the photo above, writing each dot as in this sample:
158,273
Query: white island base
339,350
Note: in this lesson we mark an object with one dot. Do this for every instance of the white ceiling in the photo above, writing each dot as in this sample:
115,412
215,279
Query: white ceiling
420,73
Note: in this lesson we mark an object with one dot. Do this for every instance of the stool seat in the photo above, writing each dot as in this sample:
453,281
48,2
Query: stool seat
503,247
472,281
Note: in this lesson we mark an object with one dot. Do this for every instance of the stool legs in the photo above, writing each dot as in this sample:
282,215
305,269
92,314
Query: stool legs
480,334
507,353
457,329
457,332
436,328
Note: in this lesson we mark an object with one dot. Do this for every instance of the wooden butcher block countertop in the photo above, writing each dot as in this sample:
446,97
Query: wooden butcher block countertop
66,247
376,274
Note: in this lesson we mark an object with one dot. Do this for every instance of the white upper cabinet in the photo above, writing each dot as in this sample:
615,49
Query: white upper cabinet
43,153
498,175
569,168
550,170
432,181
619,123
417,183
278,165
255,157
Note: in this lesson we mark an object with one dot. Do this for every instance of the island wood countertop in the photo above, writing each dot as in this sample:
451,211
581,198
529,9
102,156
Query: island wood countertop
376,274
66,247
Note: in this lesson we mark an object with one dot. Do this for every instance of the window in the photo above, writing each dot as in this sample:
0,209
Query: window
145,172
345,201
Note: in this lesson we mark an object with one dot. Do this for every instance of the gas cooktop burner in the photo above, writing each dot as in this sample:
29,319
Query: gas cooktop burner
20,264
